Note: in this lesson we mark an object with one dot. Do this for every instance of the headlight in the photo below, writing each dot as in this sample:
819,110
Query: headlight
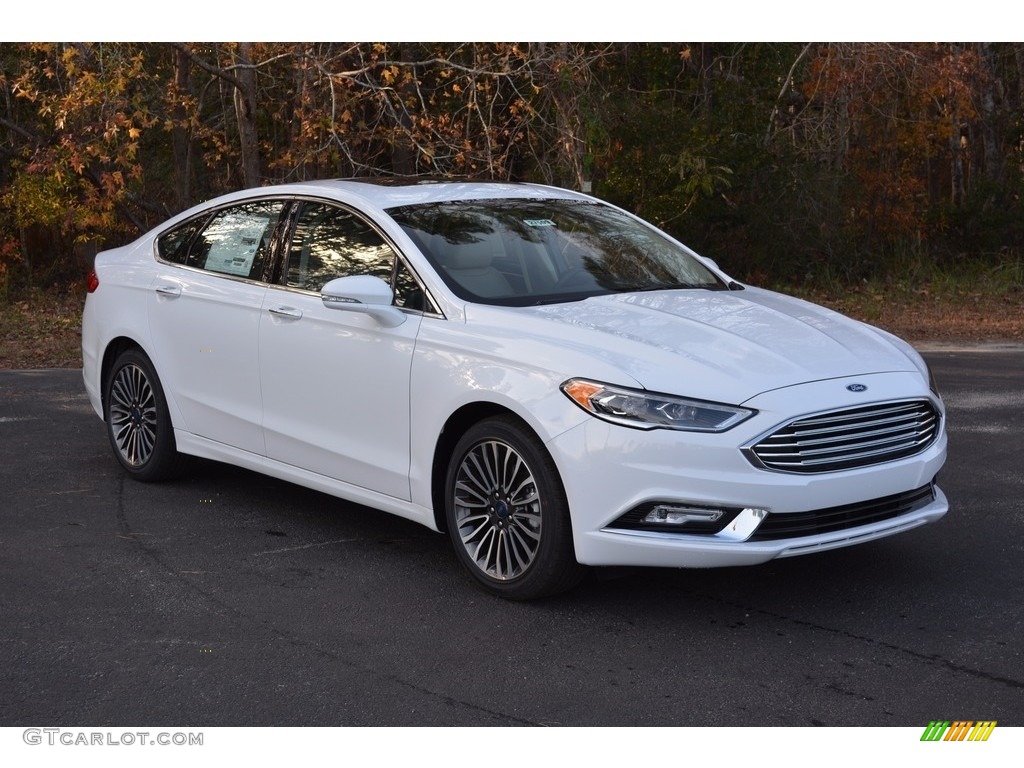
647,410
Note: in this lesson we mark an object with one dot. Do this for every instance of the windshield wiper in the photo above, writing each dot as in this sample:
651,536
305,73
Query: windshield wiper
678,287
561,298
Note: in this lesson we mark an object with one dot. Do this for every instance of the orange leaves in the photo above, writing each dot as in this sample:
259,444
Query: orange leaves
92,105
404,108
891,117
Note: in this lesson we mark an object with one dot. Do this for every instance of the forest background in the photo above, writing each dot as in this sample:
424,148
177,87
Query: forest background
881,179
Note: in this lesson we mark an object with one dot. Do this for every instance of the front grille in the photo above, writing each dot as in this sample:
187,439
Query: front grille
797,524
853,437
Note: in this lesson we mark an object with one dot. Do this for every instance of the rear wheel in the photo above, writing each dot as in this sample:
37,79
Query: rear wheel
507,514
138,423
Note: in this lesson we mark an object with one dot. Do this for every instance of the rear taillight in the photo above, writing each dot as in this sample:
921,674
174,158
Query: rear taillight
92,282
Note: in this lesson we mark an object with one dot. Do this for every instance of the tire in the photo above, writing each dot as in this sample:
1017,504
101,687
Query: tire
138,422
507,514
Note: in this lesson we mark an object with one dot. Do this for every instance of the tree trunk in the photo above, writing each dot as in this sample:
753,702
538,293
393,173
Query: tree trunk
403,156
1018,56
180,134
958,186
992,162
707,79
565,84
245,111
296,139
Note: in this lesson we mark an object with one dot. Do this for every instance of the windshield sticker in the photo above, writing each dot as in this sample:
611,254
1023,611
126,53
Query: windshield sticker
538,222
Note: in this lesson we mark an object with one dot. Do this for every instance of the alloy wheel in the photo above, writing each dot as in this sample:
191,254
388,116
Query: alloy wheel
133,415
498,510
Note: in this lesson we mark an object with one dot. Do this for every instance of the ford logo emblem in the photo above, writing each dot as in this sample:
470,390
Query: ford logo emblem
857,387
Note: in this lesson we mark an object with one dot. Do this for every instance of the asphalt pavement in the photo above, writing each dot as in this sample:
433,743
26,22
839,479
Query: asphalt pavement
228,598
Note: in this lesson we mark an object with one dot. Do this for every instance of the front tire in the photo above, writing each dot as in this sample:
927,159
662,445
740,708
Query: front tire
507,514
138,422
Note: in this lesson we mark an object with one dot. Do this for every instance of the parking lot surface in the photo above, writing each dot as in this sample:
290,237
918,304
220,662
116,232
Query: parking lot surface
228,598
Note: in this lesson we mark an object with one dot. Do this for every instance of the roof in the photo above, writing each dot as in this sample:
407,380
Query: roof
390,192
387,192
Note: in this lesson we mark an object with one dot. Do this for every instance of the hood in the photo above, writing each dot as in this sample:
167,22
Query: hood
726,346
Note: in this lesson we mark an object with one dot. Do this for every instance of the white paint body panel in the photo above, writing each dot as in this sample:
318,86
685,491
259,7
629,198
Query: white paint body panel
336,388
335,401
207,340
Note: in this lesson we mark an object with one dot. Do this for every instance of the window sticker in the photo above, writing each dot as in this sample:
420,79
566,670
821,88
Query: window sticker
233,247
539,222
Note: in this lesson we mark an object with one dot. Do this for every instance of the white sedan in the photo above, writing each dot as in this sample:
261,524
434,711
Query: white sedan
546,377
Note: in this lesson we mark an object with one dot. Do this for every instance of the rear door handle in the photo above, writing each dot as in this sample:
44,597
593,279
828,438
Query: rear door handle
169,290
286,312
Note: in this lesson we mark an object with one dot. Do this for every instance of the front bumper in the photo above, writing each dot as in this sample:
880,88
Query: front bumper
608,470
673,550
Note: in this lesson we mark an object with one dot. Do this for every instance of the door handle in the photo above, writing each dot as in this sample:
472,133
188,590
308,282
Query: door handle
286,312
169,290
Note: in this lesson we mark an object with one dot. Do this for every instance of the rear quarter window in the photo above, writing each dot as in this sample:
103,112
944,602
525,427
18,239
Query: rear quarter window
173,245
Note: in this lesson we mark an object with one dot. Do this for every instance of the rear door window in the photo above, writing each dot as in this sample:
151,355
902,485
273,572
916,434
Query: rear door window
237,241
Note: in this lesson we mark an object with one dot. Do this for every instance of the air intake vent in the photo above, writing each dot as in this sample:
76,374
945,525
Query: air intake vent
854,437
799,524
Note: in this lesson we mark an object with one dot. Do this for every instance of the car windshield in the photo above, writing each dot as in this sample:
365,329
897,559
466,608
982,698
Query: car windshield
525,252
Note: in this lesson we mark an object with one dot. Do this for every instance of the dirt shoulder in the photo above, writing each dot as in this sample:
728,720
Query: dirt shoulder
924,316
45,332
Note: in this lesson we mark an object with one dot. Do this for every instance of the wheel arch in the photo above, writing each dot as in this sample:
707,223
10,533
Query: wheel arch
143,441
454,428
112,351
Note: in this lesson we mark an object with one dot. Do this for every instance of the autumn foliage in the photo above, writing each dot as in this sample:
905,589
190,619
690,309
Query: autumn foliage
782,161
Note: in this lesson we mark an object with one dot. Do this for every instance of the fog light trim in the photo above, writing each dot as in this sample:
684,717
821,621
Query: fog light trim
671,514
663,518
676,517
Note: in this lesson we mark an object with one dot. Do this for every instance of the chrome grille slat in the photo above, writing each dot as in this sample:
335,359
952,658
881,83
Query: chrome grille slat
849,438
847,447
853,456
855,414
858,419
917,426
915,417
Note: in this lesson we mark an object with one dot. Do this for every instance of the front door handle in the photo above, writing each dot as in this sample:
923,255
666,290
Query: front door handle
286,312
169,290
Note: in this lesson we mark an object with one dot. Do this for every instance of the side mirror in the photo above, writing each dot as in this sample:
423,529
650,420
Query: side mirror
365,294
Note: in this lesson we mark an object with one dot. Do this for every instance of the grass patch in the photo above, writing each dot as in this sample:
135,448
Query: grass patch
969,302
929,315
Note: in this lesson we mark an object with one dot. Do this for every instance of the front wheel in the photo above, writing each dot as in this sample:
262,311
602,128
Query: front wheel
507,514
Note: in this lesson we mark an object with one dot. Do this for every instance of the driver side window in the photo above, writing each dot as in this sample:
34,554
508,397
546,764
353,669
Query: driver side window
331,242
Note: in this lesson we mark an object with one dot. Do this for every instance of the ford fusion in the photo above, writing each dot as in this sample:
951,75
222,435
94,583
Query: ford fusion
550,380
